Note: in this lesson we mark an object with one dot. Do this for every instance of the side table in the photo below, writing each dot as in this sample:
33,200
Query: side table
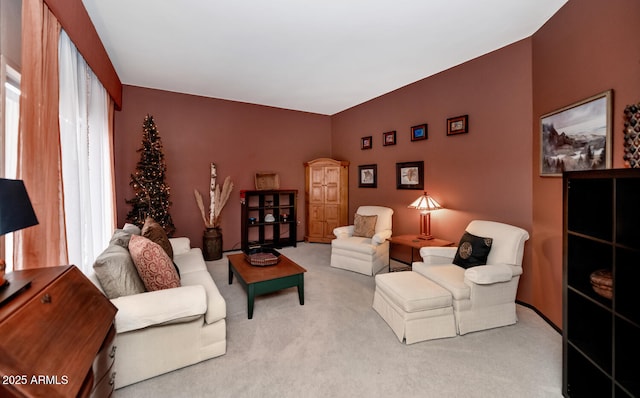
406,249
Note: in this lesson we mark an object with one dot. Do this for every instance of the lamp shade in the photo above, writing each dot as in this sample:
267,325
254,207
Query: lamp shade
16,211
425,203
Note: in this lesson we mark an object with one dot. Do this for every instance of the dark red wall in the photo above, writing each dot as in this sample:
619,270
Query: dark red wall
241,139
588,47
484,174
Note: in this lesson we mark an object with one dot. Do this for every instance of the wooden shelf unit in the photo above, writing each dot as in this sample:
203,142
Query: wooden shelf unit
262,233
600,335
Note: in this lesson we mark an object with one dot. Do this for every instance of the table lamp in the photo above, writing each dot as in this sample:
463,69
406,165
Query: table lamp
426,204
16,212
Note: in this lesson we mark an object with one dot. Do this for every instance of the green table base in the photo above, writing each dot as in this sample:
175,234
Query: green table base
270,286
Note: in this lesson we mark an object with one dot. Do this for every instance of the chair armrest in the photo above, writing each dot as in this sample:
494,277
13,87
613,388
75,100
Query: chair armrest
343,232
381,237
488,274
438,255
138,311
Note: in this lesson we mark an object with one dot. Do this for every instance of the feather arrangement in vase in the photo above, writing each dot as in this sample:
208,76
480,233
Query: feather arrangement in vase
218,199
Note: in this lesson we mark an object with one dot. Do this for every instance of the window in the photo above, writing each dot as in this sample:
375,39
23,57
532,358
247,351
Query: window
10,114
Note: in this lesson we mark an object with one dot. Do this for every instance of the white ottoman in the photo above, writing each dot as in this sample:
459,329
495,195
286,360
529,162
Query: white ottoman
415,308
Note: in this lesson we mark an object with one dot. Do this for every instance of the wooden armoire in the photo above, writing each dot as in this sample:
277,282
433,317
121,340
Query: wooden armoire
326,198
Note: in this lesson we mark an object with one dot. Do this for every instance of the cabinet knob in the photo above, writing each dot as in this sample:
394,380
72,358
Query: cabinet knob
112,354
112,380
46,299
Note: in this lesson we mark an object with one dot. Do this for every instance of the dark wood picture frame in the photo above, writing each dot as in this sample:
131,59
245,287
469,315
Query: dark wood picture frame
420,132
368,176
458,125
366,142
587,121
410,175
389,138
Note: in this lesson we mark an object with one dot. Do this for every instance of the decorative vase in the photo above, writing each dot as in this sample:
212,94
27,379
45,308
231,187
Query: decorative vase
212,244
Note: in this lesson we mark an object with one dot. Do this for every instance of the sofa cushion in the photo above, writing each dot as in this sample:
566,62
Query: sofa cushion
154,265
159,307
364,226
154,232
116,272
472,250
180,246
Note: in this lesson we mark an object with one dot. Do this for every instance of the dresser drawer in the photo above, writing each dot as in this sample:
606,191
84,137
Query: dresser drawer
104,387
106,356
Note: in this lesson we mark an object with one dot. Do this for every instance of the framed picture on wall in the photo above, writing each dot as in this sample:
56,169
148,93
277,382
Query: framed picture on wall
368,176
410,175
577,137
365,142
458,125
419,132
389,138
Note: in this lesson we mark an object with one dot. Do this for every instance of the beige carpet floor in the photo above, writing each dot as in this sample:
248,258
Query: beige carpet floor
336,345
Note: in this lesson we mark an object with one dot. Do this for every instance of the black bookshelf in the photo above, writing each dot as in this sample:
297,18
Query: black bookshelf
259,230
601,335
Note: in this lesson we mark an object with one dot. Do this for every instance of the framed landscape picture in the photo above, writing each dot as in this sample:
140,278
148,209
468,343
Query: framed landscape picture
577,137
410,175
368,176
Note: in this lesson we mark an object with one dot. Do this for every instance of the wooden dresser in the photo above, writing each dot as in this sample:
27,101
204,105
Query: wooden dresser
56,336
326,198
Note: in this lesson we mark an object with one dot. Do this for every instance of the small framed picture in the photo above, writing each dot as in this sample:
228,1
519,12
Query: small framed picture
365,142
410,175
458,125
419,132
389,138
368,176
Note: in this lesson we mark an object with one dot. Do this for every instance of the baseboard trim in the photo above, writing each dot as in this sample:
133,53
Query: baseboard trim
553,325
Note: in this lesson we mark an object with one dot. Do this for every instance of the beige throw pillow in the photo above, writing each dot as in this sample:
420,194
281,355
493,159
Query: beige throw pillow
364,226
116,272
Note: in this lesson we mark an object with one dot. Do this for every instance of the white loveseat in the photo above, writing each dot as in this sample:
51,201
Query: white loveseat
164,330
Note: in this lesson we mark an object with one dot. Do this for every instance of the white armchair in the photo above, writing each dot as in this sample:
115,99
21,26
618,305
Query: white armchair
366,255
483,296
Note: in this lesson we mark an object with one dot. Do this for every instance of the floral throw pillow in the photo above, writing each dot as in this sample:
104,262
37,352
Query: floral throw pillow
154,265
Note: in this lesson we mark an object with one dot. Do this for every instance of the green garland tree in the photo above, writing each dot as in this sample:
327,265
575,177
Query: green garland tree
152,193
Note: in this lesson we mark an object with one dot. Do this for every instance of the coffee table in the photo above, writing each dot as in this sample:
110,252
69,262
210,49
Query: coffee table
263,280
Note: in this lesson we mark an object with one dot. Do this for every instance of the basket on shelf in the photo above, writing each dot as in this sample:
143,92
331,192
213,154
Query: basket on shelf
267,181
602,282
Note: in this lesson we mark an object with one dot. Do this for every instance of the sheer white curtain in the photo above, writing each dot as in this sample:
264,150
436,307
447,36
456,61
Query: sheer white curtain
86,158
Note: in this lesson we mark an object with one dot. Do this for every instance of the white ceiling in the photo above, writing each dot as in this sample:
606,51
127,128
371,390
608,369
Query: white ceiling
320,56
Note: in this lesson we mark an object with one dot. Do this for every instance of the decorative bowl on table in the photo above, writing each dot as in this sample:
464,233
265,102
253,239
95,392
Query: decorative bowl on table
602,282
262,256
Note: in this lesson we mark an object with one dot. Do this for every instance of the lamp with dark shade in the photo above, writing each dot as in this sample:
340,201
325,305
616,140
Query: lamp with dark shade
426,204
16,212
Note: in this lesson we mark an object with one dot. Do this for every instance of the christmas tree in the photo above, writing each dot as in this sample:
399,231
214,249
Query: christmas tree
152,194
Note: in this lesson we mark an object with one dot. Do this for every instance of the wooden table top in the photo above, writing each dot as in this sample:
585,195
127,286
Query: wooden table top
254,274
415,242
